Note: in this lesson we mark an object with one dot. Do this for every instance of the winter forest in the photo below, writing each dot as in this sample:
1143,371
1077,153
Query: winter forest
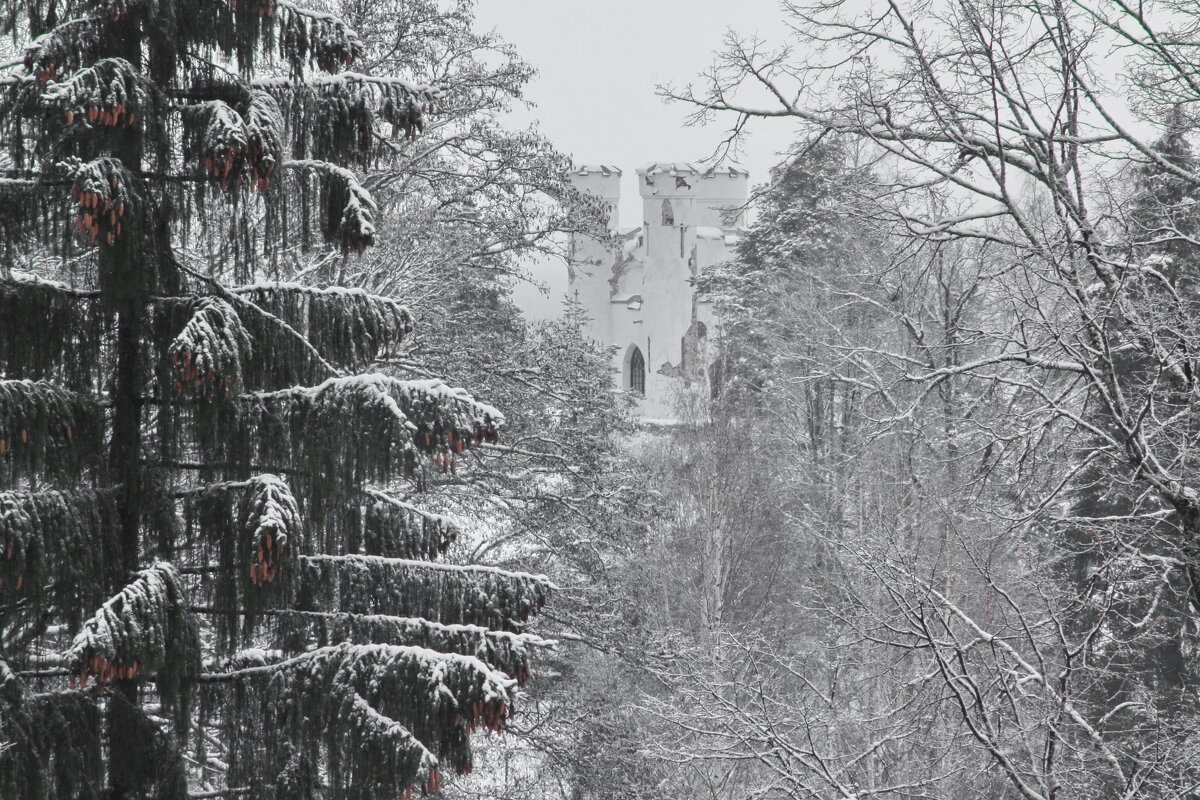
297,503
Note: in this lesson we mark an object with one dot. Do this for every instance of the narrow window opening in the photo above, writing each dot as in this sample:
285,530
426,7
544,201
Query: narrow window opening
637,372
668,213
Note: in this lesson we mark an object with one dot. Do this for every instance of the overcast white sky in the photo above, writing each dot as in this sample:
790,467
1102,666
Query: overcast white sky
599,63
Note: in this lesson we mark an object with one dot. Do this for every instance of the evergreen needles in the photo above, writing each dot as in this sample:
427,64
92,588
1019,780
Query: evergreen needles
145,626
46,430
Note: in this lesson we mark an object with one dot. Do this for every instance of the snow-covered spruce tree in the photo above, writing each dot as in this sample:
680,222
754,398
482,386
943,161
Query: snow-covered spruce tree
211,575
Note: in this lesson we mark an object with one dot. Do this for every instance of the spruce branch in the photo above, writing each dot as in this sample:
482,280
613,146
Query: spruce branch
227,295
349,218
46,430
452,593
144,626
207,354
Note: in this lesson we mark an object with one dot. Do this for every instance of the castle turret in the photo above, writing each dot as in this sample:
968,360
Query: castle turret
591,272
695,197
602,181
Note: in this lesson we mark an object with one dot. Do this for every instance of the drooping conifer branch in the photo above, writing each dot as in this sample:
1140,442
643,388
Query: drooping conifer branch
207,354
105,192
144,627
378,740
340,432
348,326
448,419
57,550
361,428
511,653
351,706
395,529
288,357
298,334
251,527
47,431
50,744
235,146
270,516
64,49
331,116
456,595
108,93
248,29
348,210
325,40
51,331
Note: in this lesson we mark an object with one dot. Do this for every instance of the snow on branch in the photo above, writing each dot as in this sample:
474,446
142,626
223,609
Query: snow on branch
207,354
243,145
108,93
448,419
57,547
385,86
347,326
272,520
365,427
47,430
379,738
344,430
395,529
252,527
63,49
50,331
333,117
145,626
248,28
321,39
447,416
454,594
349,210
365,701
104,192
510,653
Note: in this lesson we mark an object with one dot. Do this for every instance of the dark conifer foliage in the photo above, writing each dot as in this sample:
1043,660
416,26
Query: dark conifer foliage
212,576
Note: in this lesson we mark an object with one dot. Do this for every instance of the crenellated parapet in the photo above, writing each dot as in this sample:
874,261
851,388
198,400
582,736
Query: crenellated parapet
692,195
602,181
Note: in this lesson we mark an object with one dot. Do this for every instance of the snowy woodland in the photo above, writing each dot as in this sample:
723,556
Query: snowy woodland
295,502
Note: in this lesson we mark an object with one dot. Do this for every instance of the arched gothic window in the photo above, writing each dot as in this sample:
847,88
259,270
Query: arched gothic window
668,213
637,372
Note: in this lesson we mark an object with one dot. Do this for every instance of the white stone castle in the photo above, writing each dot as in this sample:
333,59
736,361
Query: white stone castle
638,288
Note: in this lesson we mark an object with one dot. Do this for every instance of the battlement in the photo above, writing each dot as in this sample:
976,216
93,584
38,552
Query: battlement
695,195
670,179
602,181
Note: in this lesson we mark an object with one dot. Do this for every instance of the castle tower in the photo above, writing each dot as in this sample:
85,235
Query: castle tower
638,287
590,274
